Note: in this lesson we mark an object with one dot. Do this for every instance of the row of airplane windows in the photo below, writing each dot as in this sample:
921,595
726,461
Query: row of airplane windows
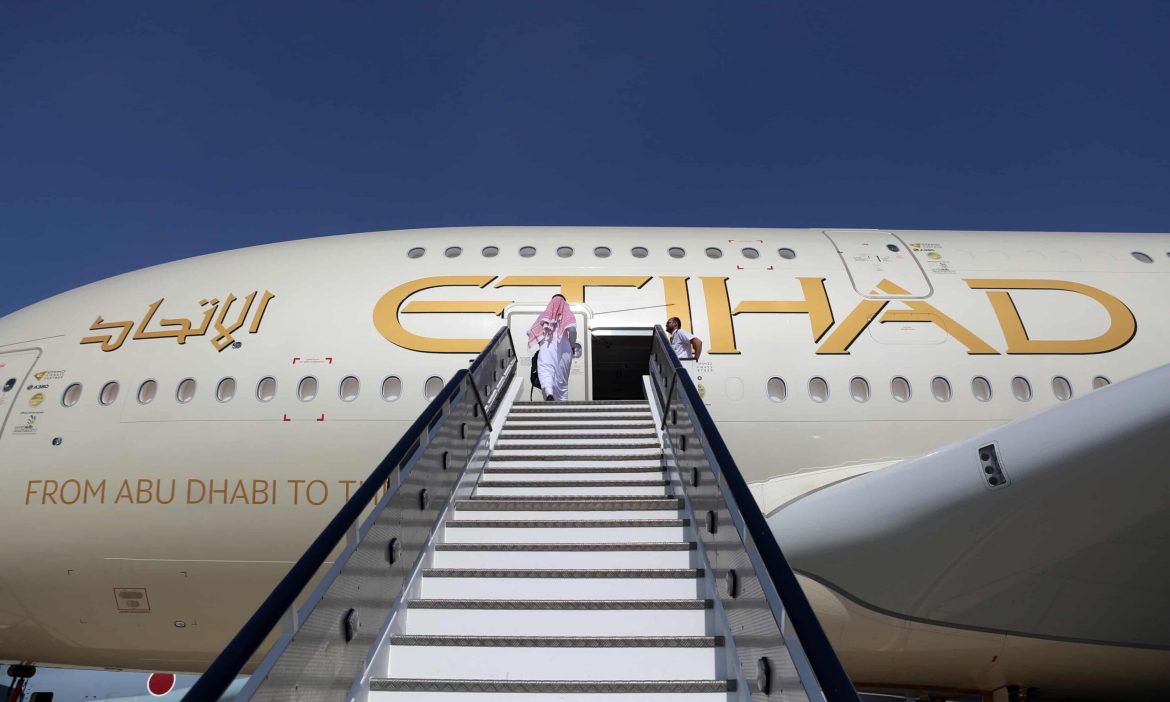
225,390
777,389
748,252
940,388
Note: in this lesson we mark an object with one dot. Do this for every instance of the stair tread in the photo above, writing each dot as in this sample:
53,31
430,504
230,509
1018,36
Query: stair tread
537,505
563,572
621,546
572,483
553,686
568,470
570,523
556,641
562,604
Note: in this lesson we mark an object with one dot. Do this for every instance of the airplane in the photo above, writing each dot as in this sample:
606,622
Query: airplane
173,438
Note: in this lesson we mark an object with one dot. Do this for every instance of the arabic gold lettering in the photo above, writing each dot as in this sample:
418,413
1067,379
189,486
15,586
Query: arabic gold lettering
99,324
224,339
260,310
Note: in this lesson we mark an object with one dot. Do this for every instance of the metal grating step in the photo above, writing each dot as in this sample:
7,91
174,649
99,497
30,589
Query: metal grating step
563,523
600,605
591,687
568,498
579,409
567,470
575,447
622,546
573,483
595,505
497,458
563,572
557,641
510,436
582,403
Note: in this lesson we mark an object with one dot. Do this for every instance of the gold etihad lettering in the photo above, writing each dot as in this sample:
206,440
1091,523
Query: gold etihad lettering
835,338
917,311
180,328
1122,325
388,308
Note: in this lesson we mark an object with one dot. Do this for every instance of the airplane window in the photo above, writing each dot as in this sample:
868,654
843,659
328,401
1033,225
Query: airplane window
1062,388
940,387
749,252
453,251
147,392
713,252
416,252
109,393
432,387
676,252
859,389
900,389
1021,388
1144,258
787,253
981,388
818,389
226,390
186,391
391,388
1100,382
602,252
349,389
266,389
527,251
490,251
72,395
564,251
307,389
639,252
777,389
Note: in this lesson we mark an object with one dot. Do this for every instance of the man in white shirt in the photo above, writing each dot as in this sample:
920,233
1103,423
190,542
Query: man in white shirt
687,346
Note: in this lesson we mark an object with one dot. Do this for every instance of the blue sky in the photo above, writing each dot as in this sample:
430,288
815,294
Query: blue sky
136,133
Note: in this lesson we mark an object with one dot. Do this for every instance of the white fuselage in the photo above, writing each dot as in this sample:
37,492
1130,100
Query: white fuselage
141,534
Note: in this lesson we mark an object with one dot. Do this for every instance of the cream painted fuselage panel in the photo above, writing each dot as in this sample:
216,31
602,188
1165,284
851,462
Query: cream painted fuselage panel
141,535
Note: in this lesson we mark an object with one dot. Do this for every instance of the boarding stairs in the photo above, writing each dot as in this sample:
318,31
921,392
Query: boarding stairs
591,551
569,570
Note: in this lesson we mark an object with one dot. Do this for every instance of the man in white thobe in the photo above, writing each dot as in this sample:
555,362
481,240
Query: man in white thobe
555,331
687,346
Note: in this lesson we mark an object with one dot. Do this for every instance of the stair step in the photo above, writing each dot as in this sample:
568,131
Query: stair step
565,448
550,584
563,523
555,658
564,421
557,641
561,504
498,457
574,439
622,605
624,546
548,408
582,403
593,488
557,687
585,462
574,557
568,470
606,424
577,531
569,498
572,483
562,621
563,572
586,433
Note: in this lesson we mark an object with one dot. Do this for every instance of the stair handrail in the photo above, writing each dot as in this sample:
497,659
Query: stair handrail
791,601
281,602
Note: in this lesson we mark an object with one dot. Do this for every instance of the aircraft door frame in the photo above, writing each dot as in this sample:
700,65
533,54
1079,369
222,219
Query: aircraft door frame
15,368
520,316
871,255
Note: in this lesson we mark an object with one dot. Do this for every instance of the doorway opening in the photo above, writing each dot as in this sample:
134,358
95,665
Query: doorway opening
620,358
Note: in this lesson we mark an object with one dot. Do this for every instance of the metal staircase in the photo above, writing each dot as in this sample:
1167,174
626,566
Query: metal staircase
562,575
502,550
